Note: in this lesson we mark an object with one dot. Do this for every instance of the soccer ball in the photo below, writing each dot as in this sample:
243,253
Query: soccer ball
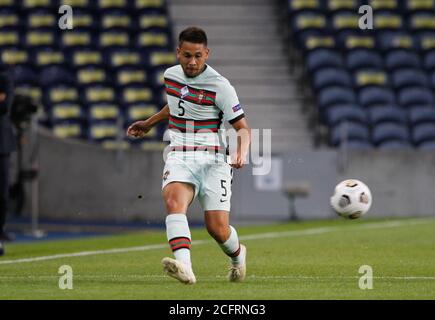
351,199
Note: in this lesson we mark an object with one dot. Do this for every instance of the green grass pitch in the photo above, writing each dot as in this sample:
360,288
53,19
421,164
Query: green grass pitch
304,260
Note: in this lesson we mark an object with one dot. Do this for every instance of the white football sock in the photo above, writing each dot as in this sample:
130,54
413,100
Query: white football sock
231,247
179,238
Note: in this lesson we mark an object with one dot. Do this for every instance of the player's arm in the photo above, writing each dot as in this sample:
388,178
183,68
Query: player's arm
238,160
141,128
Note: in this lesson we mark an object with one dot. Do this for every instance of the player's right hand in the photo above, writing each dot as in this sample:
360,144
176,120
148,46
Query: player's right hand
138,129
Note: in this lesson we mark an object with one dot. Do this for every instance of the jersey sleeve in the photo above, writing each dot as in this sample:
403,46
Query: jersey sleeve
228,102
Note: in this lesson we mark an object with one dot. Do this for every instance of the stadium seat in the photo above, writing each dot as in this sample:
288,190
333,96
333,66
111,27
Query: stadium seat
307,23
395,145
98,94
131,75
9,19
425,41
85,58
387,20
429,61
432,81
115,19
41,18
120,58
14,57
422,21
370,96
296,6
160,59
139,111
351,113
25,75
113,39
423,133
370,77
328,77
92,75
389,41
323,58
152,22
415,96
68,129
9,39
381,114
77,40
410,6
112,4
359,145
402,59
349,40
103,112
311,40
421,115
103,130
52,75
427,145
335,95
60,93
403,78
363,58
389,131
349,131
45,57
152,40
132,94
60,112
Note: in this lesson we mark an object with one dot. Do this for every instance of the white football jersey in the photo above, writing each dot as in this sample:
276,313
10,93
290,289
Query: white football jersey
199,106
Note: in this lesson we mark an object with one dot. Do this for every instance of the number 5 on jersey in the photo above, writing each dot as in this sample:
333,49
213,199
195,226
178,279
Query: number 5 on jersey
182,110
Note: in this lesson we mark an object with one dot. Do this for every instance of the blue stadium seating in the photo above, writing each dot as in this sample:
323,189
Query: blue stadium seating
363,58
389,131
395,145
409,78
423,133
115,45
415,96
329,77
427,145
323,58
376,95
334,96
421,115
429,61
349,131
340,113
390,114
402,59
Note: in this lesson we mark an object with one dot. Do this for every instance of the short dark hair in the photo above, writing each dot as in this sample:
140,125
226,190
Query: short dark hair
194,35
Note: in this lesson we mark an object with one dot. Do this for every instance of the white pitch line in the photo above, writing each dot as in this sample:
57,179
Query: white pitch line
256,277
267,235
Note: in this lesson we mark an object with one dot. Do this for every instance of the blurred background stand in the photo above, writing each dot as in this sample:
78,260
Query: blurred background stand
293,190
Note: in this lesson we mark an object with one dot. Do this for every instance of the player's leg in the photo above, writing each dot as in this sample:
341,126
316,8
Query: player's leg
217,223
177,197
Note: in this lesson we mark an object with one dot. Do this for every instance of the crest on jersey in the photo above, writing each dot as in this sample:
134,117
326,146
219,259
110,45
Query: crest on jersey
184,91
165,175
200,95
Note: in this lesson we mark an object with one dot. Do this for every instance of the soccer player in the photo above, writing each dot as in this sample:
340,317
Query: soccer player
197,166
